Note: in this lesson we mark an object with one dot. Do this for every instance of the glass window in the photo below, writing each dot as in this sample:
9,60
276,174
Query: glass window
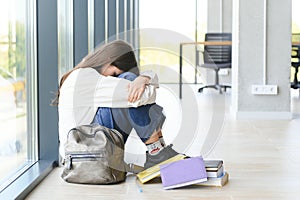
295,17
17,88
295,32
65,36
174,22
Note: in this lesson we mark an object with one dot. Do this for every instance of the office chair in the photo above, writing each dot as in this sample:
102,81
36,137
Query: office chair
295,63
216,57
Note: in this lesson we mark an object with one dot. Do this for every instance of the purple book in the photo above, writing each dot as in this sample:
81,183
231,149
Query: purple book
183,172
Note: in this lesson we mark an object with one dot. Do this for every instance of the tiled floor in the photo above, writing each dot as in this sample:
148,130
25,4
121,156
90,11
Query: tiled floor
261,157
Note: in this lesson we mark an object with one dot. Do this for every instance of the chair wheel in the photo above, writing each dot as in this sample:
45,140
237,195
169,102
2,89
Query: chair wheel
200,90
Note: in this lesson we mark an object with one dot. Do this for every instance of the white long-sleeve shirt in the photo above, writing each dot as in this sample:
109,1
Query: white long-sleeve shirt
85,90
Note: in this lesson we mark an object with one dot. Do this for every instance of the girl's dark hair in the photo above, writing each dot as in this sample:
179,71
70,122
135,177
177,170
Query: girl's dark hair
125,61
118,53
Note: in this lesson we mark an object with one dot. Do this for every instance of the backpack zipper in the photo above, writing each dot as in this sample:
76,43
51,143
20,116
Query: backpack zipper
72,157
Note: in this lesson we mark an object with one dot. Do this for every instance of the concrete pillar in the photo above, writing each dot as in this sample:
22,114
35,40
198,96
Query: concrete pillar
252,65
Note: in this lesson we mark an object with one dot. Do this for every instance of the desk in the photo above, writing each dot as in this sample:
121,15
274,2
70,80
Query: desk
216,43
296,43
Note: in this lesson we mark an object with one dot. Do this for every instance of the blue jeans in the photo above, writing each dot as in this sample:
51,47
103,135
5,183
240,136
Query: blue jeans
144,119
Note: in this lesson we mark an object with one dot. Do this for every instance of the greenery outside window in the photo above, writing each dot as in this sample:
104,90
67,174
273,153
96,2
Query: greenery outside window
18,104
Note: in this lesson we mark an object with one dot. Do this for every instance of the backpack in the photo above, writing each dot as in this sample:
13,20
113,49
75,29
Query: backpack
94,154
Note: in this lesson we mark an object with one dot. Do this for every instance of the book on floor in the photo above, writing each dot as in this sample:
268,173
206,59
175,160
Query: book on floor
184,172
218,182
215,173
154,171
213,165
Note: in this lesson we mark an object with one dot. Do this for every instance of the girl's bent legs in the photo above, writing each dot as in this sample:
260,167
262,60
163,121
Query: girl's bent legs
147,120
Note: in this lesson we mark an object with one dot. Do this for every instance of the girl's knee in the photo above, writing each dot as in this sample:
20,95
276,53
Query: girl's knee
128,75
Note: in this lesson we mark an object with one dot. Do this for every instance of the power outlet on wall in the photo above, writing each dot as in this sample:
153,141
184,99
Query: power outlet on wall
223,72
264,89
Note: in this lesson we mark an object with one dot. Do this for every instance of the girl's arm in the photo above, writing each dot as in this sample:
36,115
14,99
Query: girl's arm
85,87
124,93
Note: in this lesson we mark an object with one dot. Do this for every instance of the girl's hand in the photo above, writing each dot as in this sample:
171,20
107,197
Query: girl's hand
137,88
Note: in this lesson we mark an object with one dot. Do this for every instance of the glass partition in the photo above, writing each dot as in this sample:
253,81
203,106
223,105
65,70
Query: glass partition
163,26
295,31
18,144
65,36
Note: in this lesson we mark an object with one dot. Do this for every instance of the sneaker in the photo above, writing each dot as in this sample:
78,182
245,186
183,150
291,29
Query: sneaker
166,153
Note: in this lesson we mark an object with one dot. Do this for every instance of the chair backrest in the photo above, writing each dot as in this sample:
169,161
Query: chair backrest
295,60
295,53
217,53
295,48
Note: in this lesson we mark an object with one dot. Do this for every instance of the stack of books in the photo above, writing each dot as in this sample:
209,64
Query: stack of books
180,171
154,171
216,174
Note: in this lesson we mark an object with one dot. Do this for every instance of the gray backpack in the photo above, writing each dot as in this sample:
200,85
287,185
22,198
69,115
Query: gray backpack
94,154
